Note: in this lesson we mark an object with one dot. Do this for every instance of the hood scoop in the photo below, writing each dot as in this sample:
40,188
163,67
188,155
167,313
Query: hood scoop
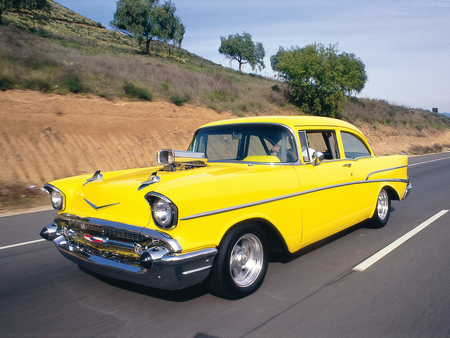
180,160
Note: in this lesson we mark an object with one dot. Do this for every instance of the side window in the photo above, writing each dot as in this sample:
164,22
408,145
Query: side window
285,148
315,140
353,146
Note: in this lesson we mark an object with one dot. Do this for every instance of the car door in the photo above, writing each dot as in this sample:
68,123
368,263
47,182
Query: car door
327,193
363,163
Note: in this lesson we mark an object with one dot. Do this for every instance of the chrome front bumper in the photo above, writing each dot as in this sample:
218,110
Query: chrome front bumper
171,272
164,267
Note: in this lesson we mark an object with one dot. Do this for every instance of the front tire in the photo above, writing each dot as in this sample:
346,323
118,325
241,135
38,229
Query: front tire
383,209
241,264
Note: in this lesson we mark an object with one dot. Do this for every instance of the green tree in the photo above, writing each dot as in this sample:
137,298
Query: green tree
242,49
319,78
14,5
179,33
167,25
147,20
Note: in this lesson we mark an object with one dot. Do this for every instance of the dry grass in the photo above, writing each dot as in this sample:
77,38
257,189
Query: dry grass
418,149
29,61
380,112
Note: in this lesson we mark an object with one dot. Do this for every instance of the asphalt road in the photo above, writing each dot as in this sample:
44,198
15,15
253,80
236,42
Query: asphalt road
317,294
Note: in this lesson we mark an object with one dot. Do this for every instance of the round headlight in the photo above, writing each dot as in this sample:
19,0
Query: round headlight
162,213
57,200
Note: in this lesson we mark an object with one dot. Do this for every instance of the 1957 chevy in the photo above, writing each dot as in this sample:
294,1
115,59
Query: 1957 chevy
214,212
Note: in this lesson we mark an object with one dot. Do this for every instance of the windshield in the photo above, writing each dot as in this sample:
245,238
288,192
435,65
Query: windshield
246,142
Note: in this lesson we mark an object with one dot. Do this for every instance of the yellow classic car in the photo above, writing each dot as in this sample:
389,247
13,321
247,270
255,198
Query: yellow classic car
213,213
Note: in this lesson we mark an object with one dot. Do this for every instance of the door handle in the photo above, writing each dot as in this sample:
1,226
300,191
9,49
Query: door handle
347,165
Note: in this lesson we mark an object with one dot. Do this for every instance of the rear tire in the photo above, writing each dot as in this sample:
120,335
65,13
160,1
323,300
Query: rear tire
241,263
383,209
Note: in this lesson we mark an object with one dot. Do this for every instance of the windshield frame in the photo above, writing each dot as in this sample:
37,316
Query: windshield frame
193,146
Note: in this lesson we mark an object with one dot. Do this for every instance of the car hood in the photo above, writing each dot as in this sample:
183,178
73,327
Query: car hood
120,196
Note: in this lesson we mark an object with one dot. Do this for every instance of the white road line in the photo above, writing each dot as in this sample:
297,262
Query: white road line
439,159
380,254
20,244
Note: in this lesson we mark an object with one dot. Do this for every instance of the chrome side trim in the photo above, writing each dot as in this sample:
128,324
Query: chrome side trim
162,236
196,270
242,206
383,170
274,199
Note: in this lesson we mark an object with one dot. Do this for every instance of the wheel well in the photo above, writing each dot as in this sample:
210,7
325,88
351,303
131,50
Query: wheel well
274,238
393,195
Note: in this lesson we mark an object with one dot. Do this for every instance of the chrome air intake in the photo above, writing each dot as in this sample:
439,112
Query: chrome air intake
180,159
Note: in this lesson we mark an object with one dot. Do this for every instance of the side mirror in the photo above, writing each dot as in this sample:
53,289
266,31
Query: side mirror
317,158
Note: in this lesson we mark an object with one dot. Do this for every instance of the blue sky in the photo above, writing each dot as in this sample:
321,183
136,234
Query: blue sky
405,44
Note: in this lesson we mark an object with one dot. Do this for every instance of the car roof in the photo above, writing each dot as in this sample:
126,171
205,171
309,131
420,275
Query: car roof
290,121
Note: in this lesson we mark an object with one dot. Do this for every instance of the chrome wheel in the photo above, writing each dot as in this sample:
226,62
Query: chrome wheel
246,260
382,211
383,205
241,263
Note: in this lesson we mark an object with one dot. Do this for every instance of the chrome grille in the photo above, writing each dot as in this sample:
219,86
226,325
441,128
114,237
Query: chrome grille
104,240
98,230
118,234
126,254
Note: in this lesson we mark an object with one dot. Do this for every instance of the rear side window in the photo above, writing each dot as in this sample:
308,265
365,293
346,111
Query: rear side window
353,146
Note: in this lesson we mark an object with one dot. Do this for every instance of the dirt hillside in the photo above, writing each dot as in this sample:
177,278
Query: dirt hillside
48,136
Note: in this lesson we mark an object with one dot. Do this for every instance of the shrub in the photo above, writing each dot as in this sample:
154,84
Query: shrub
276,98
406,110
392,112
105,95
221,96
38,84
74,83
175,99
134,91
355,100
6,82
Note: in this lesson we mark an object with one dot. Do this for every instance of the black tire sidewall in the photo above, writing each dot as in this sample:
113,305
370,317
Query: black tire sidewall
376,220
221,280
